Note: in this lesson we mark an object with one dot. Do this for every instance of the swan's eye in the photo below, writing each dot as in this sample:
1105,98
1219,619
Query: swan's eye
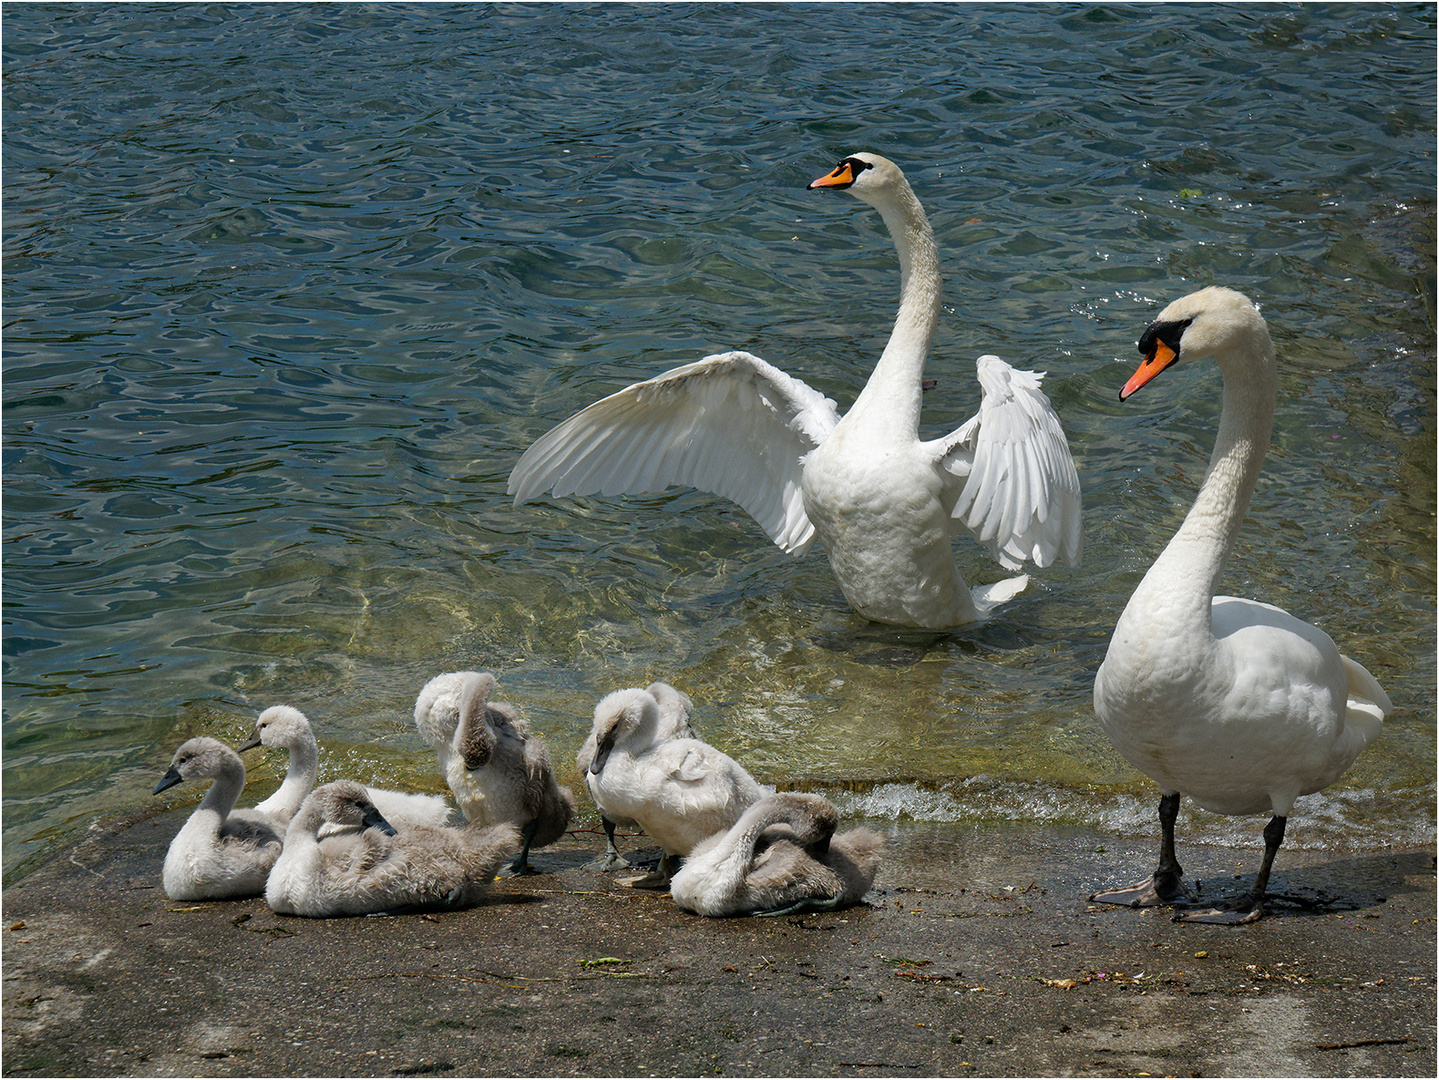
1168,332
855,165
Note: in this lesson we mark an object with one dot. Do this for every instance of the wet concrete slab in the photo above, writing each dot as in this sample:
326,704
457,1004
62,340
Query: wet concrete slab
976,954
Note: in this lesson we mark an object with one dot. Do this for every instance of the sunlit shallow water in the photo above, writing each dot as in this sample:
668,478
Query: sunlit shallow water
288,290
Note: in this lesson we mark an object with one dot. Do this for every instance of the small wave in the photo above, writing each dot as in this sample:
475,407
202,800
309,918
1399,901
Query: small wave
1342,819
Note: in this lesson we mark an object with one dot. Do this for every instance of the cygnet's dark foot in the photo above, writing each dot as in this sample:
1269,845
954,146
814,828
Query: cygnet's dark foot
1240,911
612,861
653,880
1156,890
803,907
518,868
660,877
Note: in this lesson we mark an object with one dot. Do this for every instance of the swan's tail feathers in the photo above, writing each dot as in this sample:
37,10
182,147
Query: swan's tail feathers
988,597
1368,703
1021,495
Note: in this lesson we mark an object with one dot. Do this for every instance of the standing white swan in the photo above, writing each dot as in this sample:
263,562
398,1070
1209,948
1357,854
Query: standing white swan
1237,704
289,729
884,503
219,852
781,857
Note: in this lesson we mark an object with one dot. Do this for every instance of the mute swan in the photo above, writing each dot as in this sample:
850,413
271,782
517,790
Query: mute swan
884,503
497,770
674,723
680,791
283,726
219,852
781,857
364,865
1237,704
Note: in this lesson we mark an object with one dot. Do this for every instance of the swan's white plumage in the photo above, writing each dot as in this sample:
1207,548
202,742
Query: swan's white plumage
884,503
730,424
1235,703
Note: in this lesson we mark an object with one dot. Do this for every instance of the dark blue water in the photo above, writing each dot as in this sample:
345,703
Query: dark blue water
288,289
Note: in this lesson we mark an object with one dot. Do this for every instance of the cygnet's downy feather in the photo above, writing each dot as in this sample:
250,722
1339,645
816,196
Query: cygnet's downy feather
364,865
496,769
781,857
220,852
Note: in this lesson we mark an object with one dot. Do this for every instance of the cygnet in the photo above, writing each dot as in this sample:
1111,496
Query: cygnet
680,791
289,728
220,852
364,865
781,857
674,723
496,769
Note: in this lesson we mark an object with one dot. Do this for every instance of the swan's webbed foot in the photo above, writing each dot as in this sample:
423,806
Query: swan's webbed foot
1157,890
803,907
659,878
1166,885
1249,907
518,867
1240,911
612,860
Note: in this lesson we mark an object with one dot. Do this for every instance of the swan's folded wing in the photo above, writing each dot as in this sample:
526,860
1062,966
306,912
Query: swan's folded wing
1017,488
730,424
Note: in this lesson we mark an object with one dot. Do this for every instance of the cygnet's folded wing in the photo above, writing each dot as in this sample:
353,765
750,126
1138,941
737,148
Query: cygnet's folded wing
730,424
1014,485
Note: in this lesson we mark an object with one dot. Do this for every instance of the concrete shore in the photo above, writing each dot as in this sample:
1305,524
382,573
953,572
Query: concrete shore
976,954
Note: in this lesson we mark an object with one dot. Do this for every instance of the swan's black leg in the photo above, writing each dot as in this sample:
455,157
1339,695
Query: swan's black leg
1249,907
659,878
613,860
521,864
1166,885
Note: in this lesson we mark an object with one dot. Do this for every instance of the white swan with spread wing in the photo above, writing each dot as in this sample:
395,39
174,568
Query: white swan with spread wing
884,503
1235,703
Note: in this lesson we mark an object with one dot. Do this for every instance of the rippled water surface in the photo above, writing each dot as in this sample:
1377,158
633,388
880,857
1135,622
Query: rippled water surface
289,289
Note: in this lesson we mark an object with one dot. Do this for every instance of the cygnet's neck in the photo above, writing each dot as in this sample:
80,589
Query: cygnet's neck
304,766
225,788
891,398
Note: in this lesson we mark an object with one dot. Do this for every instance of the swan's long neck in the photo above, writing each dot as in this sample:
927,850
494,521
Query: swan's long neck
891,398
306,823
735,854
1183,580
224,791
300,775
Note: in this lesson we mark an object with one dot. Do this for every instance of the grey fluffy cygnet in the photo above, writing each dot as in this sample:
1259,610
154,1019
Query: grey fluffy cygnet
781,857
680,791
675,709
220,852
363,865
289,729
496,769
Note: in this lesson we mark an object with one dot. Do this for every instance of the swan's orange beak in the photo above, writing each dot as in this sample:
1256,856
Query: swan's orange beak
1153,364
842,177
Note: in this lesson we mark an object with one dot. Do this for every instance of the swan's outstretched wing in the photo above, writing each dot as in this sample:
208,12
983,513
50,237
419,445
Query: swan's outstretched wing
1010,473
730,424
